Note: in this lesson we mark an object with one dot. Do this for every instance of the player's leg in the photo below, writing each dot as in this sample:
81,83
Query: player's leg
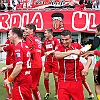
8,87
62,91
21,92
97,84
97,90
36,73
47,86
86,85
56,85
55,73
76,90
47,70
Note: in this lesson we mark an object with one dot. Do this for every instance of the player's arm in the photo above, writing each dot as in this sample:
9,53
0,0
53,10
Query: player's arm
87,66
1,50
15,72
96,52
60,55
49,52
4,69
2,45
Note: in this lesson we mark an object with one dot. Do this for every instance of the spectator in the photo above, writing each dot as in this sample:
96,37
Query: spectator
9,7
89,4
96,4
2,6
81,5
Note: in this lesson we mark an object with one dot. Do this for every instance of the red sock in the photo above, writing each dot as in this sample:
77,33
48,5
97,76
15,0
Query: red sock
46,83
8,89
56,87
86,85
36,93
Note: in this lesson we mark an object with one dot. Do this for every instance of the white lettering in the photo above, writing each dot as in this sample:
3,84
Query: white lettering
34,19
89,17
4,21
16,19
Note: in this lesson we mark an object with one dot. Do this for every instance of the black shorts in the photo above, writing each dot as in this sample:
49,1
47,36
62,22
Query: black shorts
97,79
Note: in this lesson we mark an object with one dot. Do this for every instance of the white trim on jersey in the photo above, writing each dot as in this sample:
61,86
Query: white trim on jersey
75,70
19,62
20,93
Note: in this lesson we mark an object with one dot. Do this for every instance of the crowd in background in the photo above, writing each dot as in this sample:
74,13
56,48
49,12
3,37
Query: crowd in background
83,4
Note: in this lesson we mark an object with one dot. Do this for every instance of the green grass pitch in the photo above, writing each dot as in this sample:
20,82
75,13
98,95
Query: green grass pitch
3,93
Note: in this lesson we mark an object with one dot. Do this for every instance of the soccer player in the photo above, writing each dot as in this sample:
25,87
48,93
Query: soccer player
96,46
51,63
35,47
9,60
22,68
68,53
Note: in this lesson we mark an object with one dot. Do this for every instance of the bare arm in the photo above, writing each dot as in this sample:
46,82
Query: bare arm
2,45
61,55
1,50
49,52
16,70
87,66
4,69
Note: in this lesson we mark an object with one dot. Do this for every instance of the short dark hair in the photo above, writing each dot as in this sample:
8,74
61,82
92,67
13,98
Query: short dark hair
49,30
66,32
17,31
98,27
31,26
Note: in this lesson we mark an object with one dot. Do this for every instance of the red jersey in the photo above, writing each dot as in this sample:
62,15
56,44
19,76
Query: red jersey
97,52
22,56
9,50
50,45
35,47
69,68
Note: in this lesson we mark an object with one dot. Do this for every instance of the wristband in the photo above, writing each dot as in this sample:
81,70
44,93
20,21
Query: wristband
10,79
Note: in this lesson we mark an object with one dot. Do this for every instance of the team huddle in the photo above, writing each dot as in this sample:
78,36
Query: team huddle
62,58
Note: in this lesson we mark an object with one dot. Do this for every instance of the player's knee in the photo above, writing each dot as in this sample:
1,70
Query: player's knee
46,77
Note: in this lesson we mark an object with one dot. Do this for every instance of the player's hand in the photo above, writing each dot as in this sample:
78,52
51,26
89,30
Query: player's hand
6,82
3,70
77,52
95,71
47,53
85,71
89,53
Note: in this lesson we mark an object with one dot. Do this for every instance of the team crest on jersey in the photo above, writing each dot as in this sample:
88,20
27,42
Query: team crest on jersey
17,54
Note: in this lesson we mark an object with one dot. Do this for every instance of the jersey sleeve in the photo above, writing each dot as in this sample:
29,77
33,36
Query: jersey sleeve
58,48
8,47
97,52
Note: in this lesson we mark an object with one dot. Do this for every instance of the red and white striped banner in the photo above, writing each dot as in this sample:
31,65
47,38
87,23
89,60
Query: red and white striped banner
38,4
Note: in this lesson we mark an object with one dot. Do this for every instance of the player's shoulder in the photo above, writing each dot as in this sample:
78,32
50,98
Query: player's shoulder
21,46
60,47
55,38
76,45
